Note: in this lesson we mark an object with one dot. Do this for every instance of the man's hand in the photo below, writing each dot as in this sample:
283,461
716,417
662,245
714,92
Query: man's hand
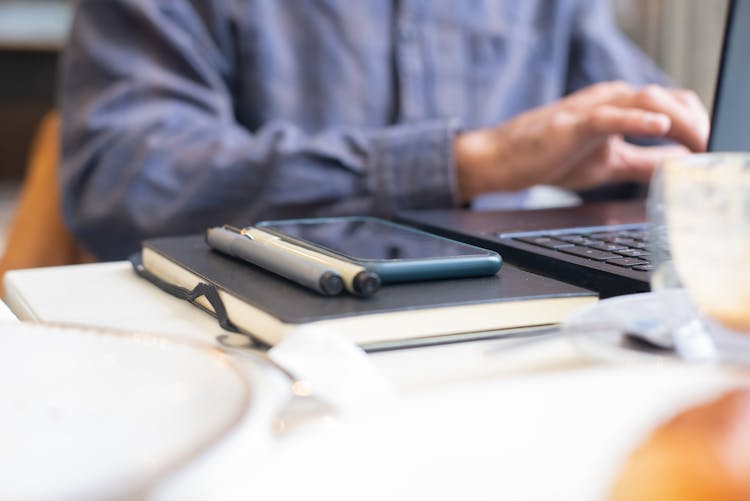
577,142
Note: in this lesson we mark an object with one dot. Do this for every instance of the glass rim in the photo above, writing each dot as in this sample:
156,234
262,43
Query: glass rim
707,159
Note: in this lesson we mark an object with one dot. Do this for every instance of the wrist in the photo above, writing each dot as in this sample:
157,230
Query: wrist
474,153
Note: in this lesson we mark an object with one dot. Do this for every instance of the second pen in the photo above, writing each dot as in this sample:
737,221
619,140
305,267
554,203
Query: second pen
358,280
312,274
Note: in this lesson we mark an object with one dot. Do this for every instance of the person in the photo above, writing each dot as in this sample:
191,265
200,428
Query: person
182,114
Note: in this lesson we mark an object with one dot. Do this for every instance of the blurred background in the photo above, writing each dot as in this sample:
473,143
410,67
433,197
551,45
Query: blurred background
682,36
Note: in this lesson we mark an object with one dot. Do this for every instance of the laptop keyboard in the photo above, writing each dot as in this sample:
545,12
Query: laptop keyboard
622,248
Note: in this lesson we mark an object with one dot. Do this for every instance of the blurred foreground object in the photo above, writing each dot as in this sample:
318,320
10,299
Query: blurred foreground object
701,454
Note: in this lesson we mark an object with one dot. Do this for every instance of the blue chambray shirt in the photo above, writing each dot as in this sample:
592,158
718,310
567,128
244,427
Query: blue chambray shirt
181,114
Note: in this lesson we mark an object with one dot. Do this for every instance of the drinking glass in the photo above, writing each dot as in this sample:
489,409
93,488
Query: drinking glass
699,210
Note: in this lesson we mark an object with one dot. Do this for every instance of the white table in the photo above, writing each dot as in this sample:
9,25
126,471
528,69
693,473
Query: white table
6,315
526,409
111,295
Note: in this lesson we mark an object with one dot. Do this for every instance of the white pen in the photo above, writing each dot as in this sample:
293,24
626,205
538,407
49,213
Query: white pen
313,274
358,280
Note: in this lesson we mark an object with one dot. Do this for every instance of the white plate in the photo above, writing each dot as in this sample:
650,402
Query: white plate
90,414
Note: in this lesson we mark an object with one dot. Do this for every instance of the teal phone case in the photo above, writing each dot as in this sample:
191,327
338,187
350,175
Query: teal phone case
479,262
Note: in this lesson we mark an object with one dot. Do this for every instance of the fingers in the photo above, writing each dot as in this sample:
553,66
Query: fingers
576,142
607,119
600,93
689,119
694,103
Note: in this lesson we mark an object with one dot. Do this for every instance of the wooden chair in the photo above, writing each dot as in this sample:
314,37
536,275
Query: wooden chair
38,237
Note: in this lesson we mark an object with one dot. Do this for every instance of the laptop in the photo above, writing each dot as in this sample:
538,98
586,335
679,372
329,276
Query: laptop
603,246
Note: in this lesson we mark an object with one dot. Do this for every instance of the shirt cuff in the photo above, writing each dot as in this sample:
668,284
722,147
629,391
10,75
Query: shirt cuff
414,166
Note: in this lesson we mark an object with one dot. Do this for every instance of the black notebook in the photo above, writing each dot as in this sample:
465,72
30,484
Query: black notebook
268,307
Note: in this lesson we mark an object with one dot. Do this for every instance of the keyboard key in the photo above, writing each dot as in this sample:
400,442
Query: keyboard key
607,235
610,237
607,246
590,241
627,262
573,239
595,254
636,234
632,252
644,267
549,243
628,242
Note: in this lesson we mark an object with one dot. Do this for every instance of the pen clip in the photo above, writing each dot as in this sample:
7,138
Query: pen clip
239,231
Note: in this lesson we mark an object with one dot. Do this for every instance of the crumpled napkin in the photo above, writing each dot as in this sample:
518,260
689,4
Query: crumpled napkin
337,370
339,373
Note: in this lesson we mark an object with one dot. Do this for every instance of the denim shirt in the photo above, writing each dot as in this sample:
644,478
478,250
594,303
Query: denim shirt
180,114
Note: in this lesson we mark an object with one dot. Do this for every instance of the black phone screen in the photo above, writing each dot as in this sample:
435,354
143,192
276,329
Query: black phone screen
370,239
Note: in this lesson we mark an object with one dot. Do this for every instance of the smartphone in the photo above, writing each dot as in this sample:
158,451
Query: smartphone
395,252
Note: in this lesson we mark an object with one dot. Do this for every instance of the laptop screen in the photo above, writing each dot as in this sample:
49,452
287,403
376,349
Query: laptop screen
731,117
